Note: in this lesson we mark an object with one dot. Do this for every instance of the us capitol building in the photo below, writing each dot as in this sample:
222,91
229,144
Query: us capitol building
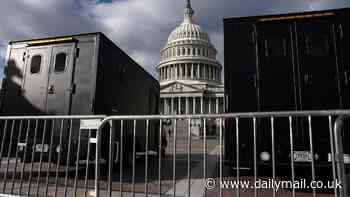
189,74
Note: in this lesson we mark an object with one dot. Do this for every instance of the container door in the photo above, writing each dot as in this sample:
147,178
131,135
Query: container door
318,81
60,86
343,38
276,84
318,68
276,69
240,87
36,79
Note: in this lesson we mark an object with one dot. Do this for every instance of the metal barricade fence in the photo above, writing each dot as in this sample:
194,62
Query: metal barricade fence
47,155
268,148
175,155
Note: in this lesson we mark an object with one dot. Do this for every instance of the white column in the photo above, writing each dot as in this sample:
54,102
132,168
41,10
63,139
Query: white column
194,105
172,106
186,69
206,71
179,105
198,71
179,74
192,70
186,105
213,73
202,105
209,105
217,105
175,67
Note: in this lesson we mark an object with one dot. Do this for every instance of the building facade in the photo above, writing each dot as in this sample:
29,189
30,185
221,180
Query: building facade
189,74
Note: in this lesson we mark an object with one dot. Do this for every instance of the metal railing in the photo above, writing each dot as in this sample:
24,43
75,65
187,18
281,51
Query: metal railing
175,155
310,125
42,155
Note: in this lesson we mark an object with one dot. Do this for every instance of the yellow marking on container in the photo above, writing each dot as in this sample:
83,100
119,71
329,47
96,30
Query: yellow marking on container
297,17
47,41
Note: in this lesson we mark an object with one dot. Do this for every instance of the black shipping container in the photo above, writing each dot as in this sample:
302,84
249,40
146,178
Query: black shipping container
290,62
78,75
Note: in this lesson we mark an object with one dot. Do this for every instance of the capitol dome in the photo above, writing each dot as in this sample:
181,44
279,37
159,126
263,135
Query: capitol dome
189,54
189,74
188,30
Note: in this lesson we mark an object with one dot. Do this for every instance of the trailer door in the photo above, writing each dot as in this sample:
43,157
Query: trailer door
318,81
276,69
276,82
318,68
60,86
36,78
343,42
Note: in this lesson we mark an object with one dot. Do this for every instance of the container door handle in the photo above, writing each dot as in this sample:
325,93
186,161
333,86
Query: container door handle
346,78
51,89
307,79
255,80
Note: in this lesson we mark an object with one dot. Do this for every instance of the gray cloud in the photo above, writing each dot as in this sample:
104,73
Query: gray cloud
140,27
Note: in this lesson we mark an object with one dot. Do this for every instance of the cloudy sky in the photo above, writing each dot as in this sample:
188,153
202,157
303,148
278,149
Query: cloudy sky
139,27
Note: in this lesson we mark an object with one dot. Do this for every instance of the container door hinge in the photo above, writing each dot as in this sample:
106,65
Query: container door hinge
226,102
24,56
253,37
72,88
77,52
255,80
341,32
